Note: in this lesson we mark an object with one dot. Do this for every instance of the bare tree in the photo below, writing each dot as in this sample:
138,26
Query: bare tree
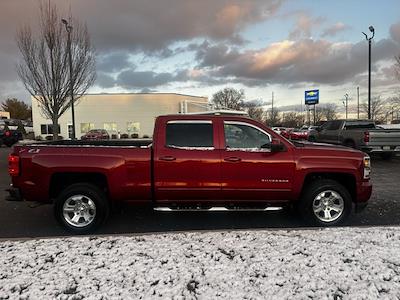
397,66
292,119
44,68
229,98
255,109
272,117
377,108
328,112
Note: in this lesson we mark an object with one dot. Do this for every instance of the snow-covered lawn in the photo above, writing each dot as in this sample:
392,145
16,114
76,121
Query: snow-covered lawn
349,263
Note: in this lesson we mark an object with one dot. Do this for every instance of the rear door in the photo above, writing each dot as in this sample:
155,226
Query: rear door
250,171
186,162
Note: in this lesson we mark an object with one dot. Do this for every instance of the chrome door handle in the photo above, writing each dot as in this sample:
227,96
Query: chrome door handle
232,159
167,158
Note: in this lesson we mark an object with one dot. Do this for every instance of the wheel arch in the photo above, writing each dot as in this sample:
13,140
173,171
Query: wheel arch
346,179
59,181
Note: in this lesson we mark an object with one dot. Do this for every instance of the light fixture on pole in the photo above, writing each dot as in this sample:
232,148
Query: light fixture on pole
68,28
369,39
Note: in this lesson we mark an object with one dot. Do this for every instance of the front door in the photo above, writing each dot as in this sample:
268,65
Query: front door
250,171
331,131
186,163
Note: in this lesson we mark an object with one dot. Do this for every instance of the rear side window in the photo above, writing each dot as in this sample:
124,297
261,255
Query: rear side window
360,125
189,135
332,125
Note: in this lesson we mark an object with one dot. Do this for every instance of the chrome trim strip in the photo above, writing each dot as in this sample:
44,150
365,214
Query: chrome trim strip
216,208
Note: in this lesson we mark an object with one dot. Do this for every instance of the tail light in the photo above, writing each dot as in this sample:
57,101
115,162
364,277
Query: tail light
366,137
13,165
8,133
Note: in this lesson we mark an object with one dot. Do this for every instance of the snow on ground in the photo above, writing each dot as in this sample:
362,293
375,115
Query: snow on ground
348,263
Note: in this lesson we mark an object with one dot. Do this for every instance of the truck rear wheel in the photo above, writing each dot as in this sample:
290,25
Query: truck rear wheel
81,208
325,202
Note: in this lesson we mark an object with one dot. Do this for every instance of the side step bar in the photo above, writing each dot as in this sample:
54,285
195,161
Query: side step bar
217,208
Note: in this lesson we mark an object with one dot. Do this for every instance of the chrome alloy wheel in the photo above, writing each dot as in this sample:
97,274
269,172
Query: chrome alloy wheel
79,211
328,206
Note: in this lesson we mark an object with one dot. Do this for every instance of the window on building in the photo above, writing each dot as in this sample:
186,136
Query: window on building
184,134
133,127
243,136
86,127
110,127
48,129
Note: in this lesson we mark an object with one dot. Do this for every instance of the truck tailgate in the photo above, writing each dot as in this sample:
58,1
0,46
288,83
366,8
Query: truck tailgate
384,137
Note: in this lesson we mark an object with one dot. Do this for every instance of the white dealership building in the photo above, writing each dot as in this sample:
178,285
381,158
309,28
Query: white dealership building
118,113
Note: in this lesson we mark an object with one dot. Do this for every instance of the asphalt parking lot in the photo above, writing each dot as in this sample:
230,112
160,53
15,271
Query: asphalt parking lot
22,219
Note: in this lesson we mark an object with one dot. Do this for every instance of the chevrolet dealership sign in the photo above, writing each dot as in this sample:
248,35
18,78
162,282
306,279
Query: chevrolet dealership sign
312,97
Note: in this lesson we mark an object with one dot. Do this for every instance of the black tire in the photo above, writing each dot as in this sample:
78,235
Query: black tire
386,155
349,143
305,205
312,139
9,144
89,191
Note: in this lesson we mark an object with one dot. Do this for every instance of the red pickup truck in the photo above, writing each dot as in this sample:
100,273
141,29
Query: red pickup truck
203,162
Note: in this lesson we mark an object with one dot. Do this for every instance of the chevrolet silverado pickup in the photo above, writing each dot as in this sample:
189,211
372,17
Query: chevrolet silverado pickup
359,134
196,162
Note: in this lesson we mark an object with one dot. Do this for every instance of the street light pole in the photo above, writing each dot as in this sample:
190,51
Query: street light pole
346,96
358,103
68,28
369,39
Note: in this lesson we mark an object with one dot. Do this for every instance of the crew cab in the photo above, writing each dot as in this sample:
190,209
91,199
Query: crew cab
197,162
359,134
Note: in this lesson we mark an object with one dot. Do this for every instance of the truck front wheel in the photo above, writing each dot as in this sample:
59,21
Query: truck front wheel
81,208
325,202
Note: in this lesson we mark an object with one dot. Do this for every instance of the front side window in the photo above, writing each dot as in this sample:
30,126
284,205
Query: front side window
243,136
189,135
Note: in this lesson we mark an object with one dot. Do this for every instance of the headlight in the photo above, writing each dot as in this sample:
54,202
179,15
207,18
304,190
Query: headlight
367,167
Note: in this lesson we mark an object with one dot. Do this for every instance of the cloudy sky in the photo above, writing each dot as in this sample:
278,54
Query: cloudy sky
200,46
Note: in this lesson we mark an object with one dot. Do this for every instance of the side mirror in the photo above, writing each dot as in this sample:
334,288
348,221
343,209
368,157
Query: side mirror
277,147
274,146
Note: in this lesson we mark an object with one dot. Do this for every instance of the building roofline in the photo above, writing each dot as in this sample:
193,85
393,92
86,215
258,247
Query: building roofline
179,94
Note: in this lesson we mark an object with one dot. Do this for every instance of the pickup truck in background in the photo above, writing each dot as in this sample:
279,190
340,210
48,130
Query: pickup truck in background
359,134
194,162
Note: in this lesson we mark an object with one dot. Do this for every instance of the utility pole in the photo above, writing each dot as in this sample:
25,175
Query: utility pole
369,39
315,113
358,103
346,103
68,28
272,110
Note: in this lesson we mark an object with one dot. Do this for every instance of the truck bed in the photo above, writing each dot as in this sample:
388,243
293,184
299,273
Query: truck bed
104,143
122,166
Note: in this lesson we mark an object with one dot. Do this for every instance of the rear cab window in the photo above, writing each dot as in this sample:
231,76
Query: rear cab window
190,135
